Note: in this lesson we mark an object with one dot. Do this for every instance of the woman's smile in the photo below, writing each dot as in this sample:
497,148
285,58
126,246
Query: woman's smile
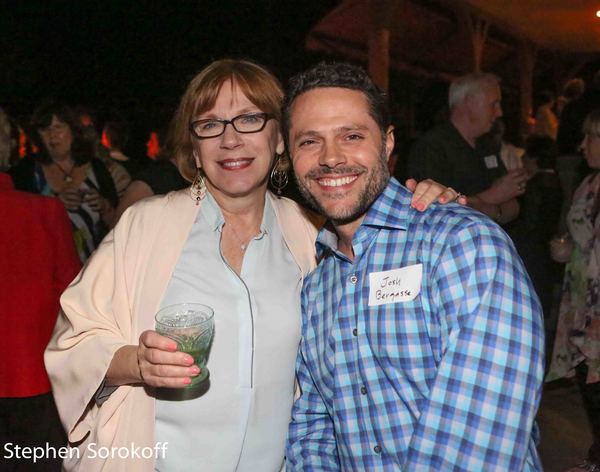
236,164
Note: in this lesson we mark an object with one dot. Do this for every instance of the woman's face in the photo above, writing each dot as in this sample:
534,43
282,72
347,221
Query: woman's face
57,139
591,150
237,164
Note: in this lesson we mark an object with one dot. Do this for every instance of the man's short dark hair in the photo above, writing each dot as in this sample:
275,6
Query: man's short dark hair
342,75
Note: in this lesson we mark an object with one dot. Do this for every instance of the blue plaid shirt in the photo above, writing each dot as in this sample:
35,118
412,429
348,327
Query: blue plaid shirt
448,381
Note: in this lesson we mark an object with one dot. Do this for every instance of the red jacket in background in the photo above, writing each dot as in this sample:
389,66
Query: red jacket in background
37,262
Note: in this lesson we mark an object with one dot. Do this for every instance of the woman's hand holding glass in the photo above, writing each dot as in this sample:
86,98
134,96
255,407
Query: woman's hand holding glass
161,365
95,201
71,197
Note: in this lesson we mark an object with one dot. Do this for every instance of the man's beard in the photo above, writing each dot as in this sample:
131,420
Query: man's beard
376,181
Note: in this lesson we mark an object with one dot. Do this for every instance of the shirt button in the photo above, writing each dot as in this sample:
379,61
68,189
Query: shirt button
353,279
355,332
363,390
377,449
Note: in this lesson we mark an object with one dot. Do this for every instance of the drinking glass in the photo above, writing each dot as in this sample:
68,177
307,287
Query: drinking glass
191,326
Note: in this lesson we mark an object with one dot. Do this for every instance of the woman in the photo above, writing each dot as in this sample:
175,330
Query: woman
577,344
235,247
65,167
38,262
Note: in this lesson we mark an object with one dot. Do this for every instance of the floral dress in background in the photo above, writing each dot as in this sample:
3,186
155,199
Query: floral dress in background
578,328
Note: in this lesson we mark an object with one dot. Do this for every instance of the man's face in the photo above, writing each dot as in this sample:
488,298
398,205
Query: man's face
338,152
485,108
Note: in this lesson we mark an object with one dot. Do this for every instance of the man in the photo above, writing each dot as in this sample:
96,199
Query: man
449,152
422,340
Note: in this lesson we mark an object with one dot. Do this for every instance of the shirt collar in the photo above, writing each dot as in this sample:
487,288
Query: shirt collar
211,212
5,182
458,135
389,210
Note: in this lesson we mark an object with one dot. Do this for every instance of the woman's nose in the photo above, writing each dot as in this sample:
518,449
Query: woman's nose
230,137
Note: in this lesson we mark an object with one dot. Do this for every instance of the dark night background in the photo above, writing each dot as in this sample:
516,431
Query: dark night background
135,58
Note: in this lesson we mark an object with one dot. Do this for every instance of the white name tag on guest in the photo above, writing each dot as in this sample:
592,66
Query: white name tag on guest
394,286
491,161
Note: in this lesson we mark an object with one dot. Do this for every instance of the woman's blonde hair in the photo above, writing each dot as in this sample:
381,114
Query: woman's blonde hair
591,124
258,84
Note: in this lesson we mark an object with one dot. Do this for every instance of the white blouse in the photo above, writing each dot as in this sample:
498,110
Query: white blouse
238,421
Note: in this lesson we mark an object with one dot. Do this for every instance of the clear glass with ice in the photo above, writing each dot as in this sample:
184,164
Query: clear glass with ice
191,326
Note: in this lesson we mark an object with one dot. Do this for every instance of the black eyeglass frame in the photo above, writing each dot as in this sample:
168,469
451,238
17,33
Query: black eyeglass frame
266,116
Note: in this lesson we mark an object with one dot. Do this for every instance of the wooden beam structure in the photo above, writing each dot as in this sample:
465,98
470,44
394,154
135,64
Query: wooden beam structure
380,14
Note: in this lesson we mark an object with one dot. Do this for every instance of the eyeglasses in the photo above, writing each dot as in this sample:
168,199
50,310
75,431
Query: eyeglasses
247,123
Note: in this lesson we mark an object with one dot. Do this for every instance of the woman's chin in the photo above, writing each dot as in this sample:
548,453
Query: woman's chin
240,190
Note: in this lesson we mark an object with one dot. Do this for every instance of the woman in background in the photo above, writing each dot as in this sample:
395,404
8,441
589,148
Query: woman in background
38,261
577,343
65,166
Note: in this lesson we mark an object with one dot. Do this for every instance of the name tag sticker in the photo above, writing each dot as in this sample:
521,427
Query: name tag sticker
491,161
395,286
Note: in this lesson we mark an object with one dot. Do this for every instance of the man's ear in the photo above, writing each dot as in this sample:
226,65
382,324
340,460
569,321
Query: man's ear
389,142
470,100
280,149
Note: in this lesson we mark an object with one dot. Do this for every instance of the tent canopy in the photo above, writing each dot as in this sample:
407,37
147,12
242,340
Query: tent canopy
565,25
435,37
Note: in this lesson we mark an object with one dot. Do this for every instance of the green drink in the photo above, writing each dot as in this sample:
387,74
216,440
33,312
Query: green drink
198,348
191,326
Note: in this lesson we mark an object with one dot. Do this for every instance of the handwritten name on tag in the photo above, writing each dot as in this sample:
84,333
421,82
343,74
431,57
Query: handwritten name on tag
394,286
491,161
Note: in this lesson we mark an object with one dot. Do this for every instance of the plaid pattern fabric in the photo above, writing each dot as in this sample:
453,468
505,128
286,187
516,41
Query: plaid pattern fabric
449,381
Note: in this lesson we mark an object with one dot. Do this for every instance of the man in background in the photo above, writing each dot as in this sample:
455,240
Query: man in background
449,153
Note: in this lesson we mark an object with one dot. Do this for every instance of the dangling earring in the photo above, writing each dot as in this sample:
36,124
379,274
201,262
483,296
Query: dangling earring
198,188
279,176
